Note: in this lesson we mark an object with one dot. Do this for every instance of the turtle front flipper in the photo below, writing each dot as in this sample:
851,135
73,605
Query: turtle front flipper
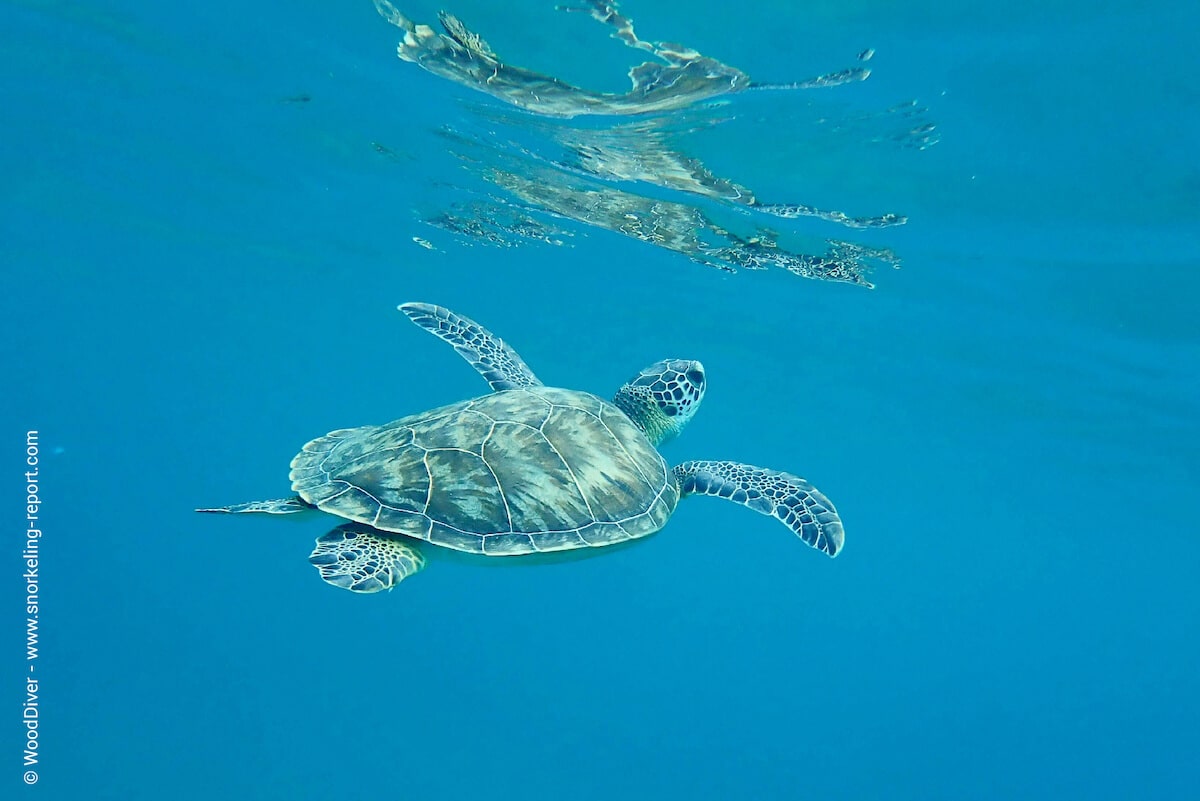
791,499
360,559
487,353
276,506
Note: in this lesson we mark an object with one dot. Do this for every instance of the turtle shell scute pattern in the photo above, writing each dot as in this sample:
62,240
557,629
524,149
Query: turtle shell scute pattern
521,471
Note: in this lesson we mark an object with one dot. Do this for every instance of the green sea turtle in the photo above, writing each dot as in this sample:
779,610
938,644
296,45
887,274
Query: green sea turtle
527,469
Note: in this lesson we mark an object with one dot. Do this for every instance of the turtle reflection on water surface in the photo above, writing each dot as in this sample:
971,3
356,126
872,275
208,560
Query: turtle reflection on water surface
527,469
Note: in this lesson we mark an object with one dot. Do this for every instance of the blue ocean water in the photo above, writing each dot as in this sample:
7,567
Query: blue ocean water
208,217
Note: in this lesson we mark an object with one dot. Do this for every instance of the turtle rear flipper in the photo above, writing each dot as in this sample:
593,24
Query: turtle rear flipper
798,504
498,363
276,506
360,559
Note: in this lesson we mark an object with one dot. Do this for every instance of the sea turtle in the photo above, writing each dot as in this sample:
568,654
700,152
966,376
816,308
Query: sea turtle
526,469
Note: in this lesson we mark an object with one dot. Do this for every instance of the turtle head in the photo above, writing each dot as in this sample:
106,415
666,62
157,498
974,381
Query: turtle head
663,397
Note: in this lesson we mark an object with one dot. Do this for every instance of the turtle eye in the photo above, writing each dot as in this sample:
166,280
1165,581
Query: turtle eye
696,377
